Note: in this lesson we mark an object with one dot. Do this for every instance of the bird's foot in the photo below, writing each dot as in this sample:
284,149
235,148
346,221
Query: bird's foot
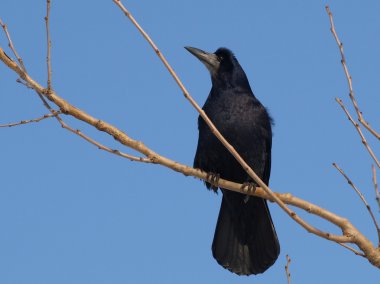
213,180
248,187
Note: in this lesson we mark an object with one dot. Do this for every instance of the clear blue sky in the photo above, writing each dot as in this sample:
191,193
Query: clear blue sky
70,213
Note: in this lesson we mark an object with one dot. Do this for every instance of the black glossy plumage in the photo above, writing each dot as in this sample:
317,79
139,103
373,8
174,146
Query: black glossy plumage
245,240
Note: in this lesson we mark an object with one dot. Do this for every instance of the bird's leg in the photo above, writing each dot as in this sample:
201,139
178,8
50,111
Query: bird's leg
248,187
213,180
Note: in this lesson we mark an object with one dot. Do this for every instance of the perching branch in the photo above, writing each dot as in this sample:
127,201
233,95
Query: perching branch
350,234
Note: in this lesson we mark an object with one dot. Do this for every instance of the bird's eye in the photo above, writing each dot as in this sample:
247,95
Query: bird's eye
220,58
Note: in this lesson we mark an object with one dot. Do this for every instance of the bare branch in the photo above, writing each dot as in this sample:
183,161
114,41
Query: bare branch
358,129
287,268
349,78
48,56
31,120
11,46
361,197
374,178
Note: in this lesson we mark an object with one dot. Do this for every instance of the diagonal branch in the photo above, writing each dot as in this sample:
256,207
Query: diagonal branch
349,78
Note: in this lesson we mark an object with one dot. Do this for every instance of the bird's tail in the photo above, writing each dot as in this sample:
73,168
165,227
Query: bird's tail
245,240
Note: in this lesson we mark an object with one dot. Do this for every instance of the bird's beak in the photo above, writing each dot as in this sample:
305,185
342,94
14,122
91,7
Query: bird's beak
210,60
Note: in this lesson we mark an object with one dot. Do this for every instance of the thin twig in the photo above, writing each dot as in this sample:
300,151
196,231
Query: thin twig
374,178
349,78
361,197
218,135
358,129
105,148
352,249
11,46
287,268
31,120
48,56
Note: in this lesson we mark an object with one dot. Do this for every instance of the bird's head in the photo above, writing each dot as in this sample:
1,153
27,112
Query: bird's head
224,68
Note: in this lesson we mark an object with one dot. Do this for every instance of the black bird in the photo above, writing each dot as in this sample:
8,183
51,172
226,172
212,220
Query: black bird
245,240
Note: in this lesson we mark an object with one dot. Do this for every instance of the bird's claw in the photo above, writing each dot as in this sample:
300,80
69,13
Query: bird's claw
248,187
213,179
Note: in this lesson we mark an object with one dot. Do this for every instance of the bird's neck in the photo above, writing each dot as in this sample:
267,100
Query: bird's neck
231,80
240,85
